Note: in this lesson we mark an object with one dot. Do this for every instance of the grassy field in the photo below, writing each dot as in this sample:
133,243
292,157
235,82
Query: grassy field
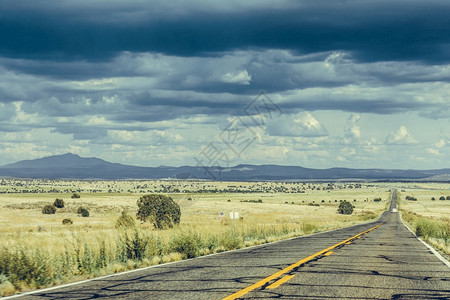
429,219
38,250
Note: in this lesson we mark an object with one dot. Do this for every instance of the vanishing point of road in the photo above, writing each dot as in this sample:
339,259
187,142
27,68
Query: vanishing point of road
379,260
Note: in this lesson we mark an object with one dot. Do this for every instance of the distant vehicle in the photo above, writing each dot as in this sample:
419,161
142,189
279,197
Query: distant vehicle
394,210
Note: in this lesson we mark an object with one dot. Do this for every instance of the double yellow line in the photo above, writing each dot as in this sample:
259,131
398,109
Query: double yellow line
292,267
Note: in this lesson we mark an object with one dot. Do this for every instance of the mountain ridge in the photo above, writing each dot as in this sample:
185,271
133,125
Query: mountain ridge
64,160
72,166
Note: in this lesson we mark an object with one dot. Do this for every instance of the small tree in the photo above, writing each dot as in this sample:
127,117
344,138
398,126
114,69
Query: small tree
84,212
59,203
442,198
161,210
448,198
48,209
67,222
345,208
125,220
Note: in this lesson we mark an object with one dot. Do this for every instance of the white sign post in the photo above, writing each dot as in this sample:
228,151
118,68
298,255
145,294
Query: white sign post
234,215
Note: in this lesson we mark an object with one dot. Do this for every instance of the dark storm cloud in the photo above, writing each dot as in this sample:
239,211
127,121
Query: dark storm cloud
71,70
214,58
369,30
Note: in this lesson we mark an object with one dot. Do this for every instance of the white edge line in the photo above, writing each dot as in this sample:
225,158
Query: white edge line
174,262
438,255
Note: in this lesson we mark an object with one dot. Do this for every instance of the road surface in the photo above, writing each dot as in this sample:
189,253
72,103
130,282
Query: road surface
380,260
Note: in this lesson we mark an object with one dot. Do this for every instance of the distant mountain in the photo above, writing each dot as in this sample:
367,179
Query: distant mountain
67,160
72,166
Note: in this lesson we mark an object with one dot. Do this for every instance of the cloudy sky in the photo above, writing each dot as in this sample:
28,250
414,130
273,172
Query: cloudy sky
312,83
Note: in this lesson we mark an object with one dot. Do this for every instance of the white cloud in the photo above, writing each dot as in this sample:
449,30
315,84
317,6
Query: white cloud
433,151
143,138
441,143
439,146
241,77
297,125
372,146
96,83
97,120
352,132
400,137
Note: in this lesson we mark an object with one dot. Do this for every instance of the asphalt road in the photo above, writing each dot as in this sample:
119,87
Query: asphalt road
380,260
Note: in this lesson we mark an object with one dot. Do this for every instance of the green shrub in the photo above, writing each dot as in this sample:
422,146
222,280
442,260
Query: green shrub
125,220
442,198
187,243
410,198
75,196
24,266
427,228
59,203
368,215
445,226
231,240
212,242
84,212
377,200
447,198
160,210
49,209
84,257
308,228
253,201
345,208
67,222
134,246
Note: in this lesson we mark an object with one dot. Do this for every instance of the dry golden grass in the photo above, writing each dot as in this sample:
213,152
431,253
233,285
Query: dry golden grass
280,215
430,219
424,205
21,212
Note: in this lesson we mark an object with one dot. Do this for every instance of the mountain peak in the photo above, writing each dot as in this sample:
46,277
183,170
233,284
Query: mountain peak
68,154
67,160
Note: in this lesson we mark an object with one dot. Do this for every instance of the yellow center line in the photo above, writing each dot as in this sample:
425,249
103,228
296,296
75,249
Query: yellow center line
280,282
291,267
328,253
